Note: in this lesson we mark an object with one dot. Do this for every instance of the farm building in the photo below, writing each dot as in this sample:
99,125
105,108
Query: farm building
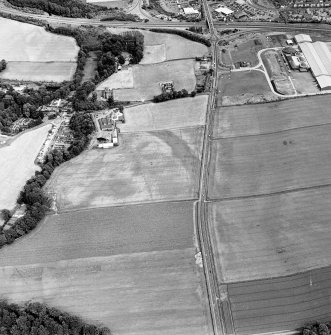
300,38
190,12
318,57
224,11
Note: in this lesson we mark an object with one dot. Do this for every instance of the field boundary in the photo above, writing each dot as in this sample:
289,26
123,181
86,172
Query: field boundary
269,194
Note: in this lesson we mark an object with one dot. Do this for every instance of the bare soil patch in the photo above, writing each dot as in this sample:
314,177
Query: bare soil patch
188,112
243,87
17,164
147,166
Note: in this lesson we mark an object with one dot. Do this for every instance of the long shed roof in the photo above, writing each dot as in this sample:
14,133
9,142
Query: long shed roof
318,57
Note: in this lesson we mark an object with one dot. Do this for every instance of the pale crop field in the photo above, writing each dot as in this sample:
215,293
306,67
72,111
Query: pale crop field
188,112
154,54
35,71
120,79
22,42
17,164
130,268
33,54
147,79
146,166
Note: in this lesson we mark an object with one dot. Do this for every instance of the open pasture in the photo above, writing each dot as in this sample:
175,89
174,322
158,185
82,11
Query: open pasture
105,232
281,304
143,83
188,112
263,237
22,42
17,164
236,86
147,166
265,164
133,266
271,117
36,71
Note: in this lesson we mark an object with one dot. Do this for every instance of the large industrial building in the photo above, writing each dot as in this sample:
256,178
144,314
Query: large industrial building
318,57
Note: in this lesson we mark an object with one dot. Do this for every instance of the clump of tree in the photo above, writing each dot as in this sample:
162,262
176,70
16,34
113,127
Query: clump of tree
24,19
67,8
165,96
316,328
15,105
185,34
3,65
39,319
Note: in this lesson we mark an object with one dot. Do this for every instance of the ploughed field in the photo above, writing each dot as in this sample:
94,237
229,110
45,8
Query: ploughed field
142,82
34,54
280,304
270,192
146,166
130,268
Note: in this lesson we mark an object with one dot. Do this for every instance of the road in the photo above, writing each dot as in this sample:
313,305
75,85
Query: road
217,296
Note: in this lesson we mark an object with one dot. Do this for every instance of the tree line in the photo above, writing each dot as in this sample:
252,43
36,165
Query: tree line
32,195
165,96
67,8
35,318
183,33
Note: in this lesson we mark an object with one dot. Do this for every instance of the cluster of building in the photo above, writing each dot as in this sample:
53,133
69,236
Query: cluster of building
108,133
57,106
167,87
317,56
59,137
191,13
311,3
20,125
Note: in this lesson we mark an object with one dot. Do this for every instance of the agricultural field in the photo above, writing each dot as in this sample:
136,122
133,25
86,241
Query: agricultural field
281,304
36,71
188,112
17,163
271,117
39,54
128,284
110,3
160,47
142,82
247,51
147,166
271,236
243,87
265,164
